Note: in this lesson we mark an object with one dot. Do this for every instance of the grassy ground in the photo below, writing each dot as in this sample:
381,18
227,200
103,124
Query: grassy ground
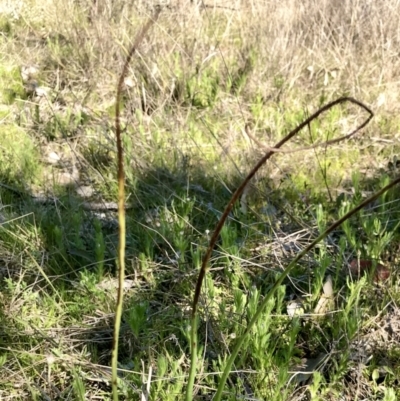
198,79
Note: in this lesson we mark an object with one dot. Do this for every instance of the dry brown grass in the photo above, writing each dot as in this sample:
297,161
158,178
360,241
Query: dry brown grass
291,55
326,45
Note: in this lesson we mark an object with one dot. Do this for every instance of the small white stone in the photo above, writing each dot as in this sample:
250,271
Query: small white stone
53,158
295,308
328,288
85,191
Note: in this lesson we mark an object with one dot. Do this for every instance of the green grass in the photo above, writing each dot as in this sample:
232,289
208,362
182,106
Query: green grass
197,81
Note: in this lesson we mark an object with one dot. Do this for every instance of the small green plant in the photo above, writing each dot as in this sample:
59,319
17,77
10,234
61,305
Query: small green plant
78,386
19,159
137,317
12,85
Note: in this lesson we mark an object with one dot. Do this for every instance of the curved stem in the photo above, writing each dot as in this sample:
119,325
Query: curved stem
224,216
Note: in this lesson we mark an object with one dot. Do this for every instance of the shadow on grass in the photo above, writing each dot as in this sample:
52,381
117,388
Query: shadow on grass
58,260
